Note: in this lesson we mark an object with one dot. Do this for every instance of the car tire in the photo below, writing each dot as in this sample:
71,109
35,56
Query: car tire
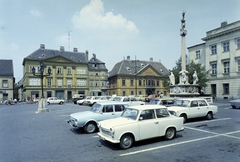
90,127
48,103
184,118
126,141
170,133
209,116
60,103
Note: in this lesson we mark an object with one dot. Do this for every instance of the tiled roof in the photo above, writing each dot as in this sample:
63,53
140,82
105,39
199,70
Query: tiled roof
78,57
99,64
129,67
6,68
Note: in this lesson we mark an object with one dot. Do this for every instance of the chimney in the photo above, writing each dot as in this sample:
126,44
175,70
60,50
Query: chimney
86,54
151,59
128,57
75,50
224,24
61,48
42,46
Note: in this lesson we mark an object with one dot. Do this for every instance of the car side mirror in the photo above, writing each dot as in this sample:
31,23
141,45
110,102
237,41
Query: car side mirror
141,118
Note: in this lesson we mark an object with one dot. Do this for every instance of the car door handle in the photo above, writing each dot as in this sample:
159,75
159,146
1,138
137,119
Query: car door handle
155,122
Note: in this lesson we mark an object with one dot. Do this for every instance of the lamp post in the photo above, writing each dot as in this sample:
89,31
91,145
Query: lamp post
42,101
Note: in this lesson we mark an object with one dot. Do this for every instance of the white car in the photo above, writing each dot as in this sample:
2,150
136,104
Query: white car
192,108
130,100
54,100
139,123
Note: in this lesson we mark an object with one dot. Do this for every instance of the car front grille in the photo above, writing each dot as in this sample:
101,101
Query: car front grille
105,132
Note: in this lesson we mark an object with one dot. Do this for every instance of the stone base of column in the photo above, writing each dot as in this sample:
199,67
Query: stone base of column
42,106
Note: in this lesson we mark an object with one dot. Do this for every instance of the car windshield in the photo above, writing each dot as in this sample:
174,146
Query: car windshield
117,98
130,113
96,108
183,103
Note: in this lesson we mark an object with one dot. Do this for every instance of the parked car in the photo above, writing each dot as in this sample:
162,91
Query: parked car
235,103
193,108
94,99
140,98
128,100
54,100
81,101
162,101
77,97
138,123
99,111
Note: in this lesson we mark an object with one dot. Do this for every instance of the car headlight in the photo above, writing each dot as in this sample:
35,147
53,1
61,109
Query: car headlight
112,132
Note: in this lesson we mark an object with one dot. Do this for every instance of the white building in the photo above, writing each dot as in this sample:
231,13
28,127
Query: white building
220,53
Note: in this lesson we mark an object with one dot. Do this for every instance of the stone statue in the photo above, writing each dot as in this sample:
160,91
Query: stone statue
195,77
172,79
183,76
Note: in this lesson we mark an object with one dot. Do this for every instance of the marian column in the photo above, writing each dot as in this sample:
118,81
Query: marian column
183,78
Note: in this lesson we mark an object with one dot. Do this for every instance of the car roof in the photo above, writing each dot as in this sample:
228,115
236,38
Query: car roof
190,99
145,107
163,99
111,103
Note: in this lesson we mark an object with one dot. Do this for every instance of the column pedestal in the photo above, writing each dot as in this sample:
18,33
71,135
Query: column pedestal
42,106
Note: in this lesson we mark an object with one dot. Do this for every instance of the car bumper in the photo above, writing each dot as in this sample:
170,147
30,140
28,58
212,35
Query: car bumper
72,123
107,138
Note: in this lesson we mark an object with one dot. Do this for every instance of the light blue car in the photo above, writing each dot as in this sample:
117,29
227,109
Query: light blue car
99,111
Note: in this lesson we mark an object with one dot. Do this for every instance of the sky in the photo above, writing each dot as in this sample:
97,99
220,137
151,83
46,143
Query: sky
111,29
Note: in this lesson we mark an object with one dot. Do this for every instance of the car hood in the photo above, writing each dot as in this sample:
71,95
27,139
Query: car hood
110,123
85,115
176,108
238,100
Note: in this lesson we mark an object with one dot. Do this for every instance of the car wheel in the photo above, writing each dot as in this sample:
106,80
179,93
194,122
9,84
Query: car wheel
209,116
60,103
90,127
126,141
48,103
170,133
184,118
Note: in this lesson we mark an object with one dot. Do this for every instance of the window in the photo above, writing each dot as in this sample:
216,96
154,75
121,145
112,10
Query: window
226,67
214,49
238,43
81,71
59,82
214,69
5,84
69,70
123,82
139,82
119,108
34,81
238,65
49,82
162,113
197,54
132,92
131,82
158,83
123,93
225,88
81,82
59,70
147,114
69,82
225,46
107,108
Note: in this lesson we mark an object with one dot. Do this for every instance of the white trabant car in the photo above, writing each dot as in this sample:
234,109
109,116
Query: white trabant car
99,111
192,108
54,100
138,123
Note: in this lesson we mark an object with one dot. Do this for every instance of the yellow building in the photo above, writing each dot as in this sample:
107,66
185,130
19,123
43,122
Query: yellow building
136,77
69,74
7,80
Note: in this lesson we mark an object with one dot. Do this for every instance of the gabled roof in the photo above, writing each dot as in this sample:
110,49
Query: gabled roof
130,67
42,53
6,68
96,64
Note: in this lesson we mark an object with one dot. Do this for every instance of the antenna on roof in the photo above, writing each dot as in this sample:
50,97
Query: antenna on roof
69,38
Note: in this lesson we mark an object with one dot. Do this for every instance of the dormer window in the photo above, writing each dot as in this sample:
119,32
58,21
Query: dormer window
128,68
142,64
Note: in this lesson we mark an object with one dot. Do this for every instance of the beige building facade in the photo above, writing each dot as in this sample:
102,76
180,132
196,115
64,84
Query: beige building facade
220,53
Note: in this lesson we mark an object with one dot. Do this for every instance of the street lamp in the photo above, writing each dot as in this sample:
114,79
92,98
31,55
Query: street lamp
42,101
41,74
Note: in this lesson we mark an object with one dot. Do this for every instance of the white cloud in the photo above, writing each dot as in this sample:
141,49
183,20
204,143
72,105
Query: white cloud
63,39
35,13
92,19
